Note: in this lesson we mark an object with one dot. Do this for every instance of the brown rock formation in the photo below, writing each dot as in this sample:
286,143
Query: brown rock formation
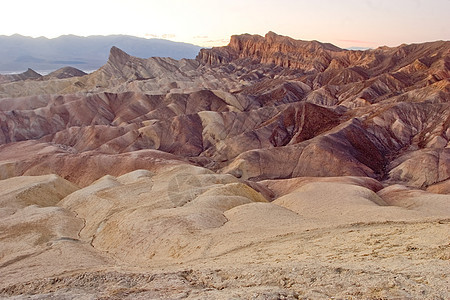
29,74
272,49
368,112
66,72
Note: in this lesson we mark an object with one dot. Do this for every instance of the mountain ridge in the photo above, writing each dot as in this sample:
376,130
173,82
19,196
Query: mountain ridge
306,55
88,53
315,69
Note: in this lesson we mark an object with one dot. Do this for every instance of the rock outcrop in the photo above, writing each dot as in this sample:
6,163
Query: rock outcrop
66,72
272,49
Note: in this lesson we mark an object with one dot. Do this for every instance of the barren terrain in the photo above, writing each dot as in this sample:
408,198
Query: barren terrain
271,168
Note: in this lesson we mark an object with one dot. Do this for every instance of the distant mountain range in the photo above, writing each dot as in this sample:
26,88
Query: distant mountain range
358,48
18,53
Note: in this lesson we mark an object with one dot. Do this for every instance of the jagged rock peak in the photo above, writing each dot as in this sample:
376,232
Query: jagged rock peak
271,49
30,73
271,38
118,56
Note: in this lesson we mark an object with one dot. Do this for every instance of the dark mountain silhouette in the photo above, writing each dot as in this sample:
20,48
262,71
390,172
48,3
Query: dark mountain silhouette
18,53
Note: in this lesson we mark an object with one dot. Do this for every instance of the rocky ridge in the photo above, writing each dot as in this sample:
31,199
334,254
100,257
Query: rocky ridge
386,125
28,74
65,72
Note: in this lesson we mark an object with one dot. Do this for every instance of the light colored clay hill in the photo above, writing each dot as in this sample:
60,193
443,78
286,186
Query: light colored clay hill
271,168
185,231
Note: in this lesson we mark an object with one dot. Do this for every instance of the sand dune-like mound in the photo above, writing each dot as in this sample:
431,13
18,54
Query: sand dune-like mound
144,221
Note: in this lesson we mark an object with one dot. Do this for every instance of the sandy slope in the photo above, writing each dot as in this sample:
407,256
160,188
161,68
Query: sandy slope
186,232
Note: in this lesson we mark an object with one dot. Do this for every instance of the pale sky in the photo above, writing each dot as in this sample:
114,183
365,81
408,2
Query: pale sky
345,23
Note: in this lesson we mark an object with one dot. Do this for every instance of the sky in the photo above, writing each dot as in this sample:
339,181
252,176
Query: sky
345,23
